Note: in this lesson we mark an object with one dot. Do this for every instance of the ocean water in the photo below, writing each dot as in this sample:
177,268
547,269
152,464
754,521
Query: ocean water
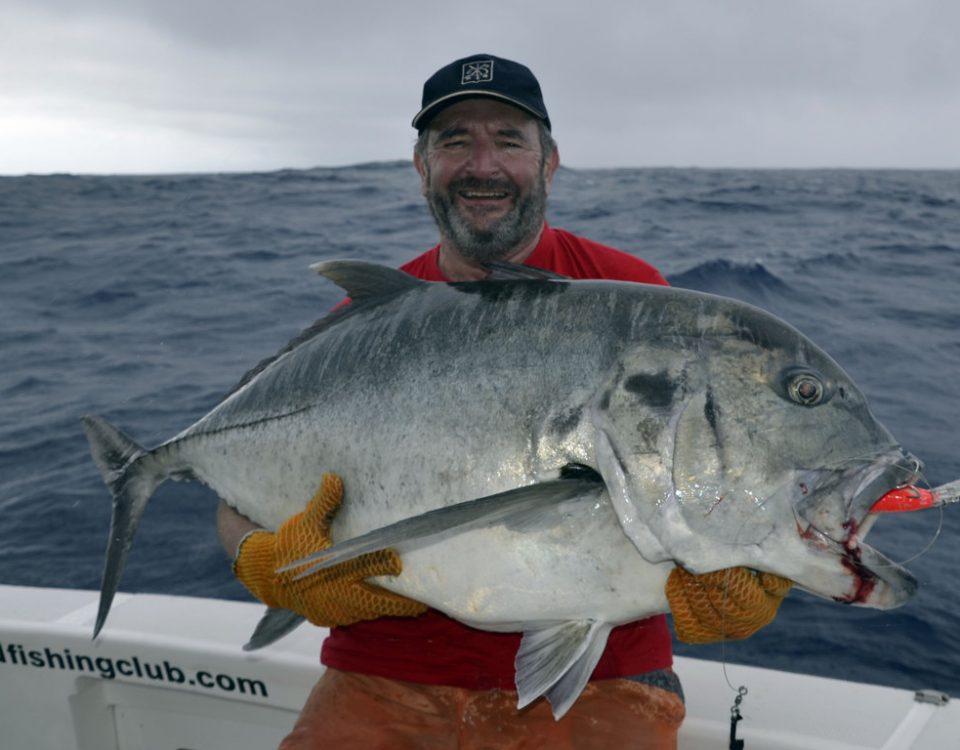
143,299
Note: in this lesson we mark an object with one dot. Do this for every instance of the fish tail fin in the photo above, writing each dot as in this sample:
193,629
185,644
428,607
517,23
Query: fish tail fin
132,474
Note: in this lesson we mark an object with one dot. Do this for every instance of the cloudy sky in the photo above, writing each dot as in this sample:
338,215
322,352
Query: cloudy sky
128,86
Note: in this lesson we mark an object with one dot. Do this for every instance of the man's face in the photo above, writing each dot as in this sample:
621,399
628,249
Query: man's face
485,178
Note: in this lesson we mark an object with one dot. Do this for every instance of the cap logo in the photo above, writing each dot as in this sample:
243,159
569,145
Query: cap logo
478,71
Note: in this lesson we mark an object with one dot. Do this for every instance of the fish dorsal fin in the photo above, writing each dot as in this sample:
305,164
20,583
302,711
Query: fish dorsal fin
366,280
501,270
366,284
556,661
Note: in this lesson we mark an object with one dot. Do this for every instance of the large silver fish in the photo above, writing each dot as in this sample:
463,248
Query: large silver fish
550,450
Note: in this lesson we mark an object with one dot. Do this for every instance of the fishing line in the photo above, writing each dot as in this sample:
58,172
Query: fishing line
936,535
723,629
735,716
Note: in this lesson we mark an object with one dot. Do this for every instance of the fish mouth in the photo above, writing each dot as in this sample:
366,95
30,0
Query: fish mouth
837,527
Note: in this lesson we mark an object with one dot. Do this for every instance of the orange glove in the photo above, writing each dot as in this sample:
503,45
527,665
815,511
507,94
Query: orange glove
332,597
727,604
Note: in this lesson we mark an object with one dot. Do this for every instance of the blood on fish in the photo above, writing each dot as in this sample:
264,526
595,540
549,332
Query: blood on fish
866,581
852,561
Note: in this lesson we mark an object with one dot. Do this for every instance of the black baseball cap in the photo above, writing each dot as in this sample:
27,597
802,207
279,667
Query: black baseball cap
480,76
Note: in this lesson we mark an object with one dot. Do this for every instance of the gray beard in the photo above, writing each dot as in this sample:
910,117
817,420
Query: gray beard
515,230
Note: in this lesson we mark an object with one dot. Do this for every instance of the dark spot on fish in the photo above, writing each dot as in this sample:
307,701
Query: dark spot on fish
710,411
567,421
655,389
605,400
648,430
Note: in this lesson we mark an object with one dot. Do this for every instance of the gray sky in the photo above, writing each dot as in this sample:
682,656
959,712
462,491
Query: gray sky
126,86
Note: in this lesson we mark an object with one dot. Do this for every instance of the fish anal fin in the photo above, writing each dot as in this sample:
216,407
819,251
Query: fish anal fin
556,661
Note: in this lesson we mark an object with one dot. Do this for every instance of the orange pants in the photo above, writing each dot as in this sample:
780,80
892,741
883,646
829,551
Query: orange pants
348,710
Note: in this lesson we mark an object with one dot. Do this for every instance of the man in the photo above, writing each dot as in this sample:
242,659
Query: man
486,160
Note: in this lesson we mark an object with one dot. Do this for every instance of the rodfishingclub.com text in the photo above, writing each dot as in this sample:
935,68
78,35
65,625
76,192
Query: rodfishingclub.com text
110,668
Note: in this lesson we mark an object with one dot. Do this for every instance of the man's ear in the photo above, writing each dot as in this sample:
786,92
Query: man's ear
421,170
550,168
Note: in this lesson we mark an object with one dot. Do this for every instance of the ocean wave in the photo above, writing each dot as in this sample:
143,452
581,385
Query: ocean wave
847,261
901,248
730,279
714,206
106,298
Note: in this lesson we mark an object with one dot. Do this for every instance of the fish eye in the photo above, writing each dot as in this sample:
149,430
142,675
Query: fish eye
805,387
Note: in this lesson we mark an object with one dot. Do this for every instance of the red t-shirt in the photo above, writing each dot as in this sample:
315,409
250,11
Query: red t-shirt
437,650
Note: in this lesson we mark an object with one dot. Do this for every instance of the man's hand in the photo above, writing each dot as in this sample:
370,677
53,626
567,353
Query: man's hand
727,604
332,597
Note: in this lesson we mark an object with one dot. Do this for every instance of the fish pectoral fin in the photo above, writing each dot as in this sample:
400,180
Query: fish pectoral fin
557,661
274,624
519,505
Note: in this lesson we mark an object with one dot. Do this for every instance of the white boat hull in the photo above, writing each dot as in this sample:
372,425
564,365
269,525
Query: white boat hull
169,673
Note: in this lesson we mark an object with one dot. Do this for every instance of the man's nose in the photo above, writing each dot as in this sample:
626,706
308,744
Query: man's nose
483,160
